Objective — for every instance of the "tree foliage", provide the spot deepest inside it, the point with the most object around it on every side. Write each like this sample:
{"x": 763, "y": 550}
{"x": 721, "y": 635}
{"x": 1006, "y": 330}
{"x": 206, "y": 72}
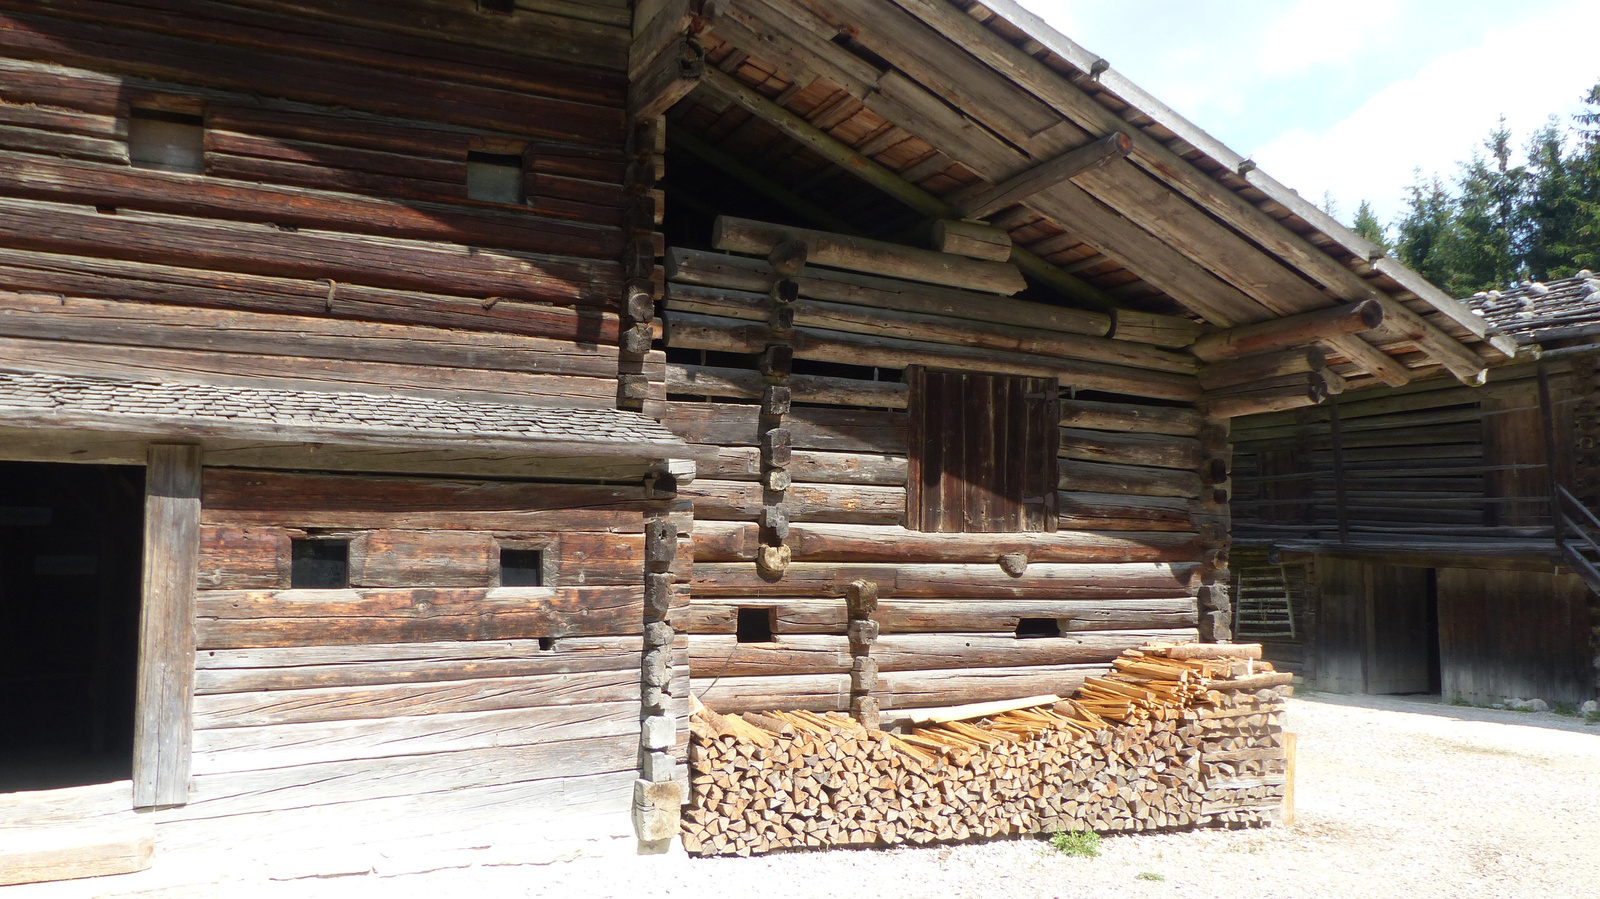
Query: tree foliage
{"x": 1495, "y": 222}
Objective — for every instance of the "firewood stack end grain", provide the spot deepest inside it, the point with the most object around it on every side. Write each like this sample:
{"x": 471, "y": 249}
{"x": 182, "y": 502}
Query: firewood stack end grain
{"x": 1174, "y": 736}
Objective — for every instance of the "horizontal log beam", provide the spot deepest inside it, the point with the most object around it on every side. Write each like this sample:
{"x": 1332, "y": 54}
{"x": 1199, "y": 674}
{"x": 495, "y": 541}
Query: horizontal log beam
{"x": 874, "y": 257}
{"x": 1294, "y": 330}
{"x": 1267, "y": 365}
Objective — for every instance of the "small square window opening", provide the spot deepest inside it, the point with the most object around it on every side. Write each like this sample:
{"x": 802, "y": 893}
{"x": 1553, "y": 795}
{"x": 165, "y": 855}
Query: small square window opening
{"x": 169, "y": 141}
{"x": 755, "y": 625}
{"x": 1038, "y": 627}
{"x": 319, "y": 564}
{"x": 494, "y": 177}
{"x": 521, "y": 567}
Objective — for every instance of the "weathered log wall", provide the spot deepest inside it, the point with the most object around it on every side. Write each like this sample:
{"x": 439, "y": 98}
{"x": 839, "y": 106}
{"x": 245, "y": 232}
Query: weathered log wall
{"x": 1424, "y": 466}
{"x": 328, "y": 234}
{"x": 423, "y": 675}
{"x": 1141, "y": 507}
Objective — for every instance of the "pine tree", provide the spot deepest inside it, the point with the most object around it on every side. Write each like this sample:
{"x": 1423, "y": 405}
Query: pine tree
{"x": 1367, "y": 225}
{"x": 1550, "y": 210}
{"x": 1423, "y": 233}
{"x": 1582, "y": 243}
{"x": 1482, "y": 245}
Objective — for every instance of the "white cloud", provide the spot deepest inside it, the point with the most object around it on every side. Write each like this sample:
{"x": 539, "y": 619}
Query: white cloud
{"x": 1318, "y": 32}
{"x": 1437, "y": 117}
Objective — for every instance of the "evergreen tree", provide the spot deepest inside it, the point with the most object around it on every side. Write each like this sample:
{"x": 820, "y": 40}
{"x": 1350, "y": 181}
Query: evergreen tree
{"x": 1551, "y": 207}
{"x": 1581, "y": 247}
{"x": 1367, "y": 225}
{"x": 1482, "y": 245}
{"x": 1423, "y": 233}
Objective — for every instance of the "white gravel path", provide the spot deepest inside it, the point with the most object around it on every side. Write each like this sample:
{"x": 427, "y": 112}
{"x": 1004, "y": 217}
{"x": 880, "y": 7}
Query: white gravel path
{"x": 1396, "y": 798}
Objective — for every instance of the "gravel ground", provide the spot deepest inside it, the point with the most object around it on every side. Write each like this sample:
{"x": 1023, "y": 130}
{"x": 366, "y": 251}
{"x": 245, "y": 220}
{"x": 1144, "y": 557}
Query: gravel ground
{"x": 1395, "y": 798}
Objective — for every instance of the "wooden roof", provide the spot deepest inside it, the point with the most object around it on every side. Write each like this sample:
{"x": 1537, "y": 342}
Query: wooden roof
{"x": 925, "y": 98}
{"x": 1560, "y": 311}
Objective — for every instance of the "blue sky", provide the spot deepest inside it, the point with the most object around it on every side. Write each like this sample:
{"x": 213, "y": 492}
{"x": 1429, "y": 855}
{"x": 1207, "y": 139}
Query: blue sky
{"x": 1348, "y": 97}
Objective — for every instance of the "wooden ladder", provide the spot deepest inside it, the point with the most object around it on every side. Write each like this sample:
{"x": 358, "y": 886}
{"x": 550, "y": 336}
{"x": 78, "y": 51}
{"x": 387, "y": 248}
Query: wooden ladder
{"x": 1262, "y": 602}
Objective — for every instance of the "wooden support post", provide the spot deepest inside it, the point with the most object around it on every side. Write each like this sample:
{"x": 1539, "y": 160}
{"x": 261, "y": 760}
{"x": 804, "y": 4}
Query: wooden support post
{"x": 162, "y": 722}
{"x": 1547, "y": 420}
{"x": 657, "y": 796}
{"x": 1341, "y": 510}
{"x": 861, "y": 598}
{"x": 1290, "y": 744}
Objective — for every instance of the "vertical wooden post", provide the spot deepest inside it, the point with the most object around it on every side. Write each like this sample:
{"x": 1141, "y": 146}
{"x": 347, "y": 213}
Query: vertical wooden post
{"x": 1338, "y": 471}
{"x": 1290, "y": 743}
{"x": 1548, "y": 420}
{"x": 162, "y": 730}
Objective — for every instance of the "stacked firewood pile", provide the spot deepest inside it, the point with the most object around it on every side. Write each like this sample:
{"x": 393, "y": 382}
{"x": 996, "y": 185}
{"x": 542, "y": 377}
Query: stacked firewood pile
{"x": 1174, "y": 736}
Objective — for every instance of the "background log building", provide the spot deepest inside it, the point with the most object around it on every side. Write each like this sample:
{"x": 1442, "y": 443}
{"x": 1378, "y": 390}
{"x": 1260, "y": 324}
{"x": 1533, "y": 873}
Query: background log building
{"x": 408, "y": 405}
{"x": 1432, "y": 538}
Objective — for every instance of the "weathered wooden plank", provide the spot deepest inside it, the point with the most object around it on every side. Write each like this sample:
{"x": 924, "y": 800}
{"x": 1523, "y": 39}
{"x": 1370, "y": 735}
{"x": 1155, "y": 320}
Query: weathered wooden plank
{"x": 331, "y": 81}
{"x": 1089, "y": 414}
{"x": 813, "y": 692}
{"x": 46, "y": 855}
{"x": 343, "y": 202}
{"x": 239, "y": 620}
{"x": 731, "y": 382}
{"x": 276, "y": 707}
{"x": 744, "y": 500}
{"x": 263, "y": 249}
{"x": 721, "y": 541}
{"x": 1097, "y": 477}
{"x": 243, "y": 497}
{"x": 121, "y": 279}
{"x": 703, "y": 332}
{"x": 1060, "y": 580}
{"x": 365, "y": 664}
{"x": 915, "y": 616}
{"x": 287, "y": 372}
{"x": 258, "y": 748}
{"x": 755, "y": 275}
{"x": 1130, "y": 449}
{"x": 225, "y": 331}
{"x": 923, "y": 651}
{"x": 328, "y": 784}
{"x": 165, "y": 691}
{"x": 922, "y": 688}
{"x": 835, "y": 430}
{"x": 739, "y": 463}
{"x": 1115, "y": 512}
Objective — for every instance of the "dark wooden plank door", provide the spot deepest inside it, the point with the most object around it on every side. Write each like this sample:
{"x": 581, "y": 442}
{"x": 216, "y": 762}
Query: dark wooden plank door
{"x": 1399, "y": 632}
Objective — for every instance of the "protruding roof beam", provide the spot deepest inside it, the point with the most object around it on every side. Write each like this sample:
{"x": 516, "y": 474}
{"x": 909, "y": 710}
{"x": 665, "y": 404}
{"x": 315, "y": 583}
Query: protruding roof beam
{"x": 1295, "y": 330}
{"x": 983, "y": 201}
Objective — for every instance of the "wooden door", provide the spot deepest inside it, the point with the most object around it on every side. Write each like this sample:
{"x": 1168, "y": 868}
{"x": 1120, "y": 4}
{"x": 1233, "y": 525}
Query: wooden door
{"x": 1399, "y": 630}
{"x": 1341, "y": 625}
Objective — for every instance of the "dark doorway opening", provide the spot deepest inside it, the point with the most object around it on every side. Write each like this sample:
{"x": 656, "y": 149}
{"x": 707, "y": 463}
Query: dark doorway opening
{"x": 71, "y": 549}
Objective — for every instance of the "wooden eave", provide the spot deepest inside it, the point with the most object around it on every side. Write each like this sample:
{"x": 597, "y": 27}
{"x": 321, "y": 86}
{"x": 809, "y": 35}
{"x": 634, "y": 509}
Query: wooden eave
{"x": 946, "y": 95}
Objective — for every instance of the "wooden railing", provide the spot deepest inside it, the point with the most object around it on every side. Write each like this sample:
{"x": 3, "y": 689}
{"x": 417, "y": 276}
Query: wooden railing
{"x": 1577, "y": 535}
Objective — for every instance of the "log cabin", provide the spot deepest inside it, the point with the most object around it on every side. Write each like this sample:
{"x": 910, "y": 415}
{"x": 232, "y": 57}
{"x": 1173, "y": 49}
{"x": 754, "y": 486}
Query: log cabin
{"x": 454, "y": 387}
{"x": 1430, "y": 538}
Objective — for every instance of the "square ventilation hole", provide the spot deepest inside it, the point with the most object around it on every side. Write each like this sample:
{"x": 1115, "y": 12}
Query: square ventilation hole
{"x": 521, "y": 567}
{"x": 170, "y": 141}
{"x": 494, "y": 177}
{"x": 1038, "y": 627}
{"x": 755, "y": 625}
{"x": 319, "y": 564}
